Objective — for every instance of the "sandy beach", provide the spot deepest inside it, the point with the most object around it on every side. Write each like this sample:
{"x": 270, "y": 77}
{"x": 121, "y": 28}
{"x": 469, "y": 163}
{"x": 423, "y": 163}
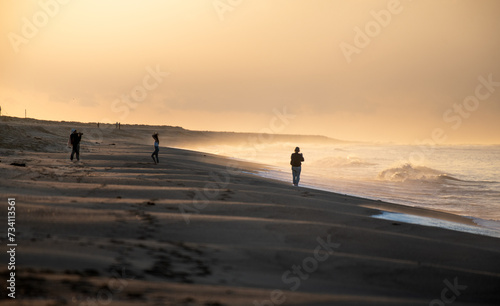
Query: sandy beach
{"x": 200, "y": 229}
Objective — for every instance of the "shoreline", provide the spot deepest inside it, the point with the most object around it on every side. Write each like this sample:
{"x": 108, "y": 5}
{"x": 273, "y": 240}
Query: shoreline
{"x": 491, "y": 227}
{"x": 462, "y": 187}
{"x": 116, "y": 218}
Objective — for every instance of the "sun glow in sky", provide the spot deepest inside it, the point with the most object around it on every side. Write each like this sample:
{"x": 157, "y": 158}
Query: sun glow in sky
{"x": 374, "y": 70}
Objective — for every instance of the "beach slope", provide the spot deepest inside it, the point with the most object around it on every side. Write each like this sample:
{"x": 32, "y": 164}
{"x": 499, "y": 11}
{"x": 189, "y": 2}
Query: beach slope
{"x": 199, "y": 229}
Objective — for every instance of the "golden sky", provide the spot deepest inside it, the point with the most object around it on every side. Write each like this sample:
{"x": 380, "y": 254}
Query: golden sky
{"x": 388, "y": 70}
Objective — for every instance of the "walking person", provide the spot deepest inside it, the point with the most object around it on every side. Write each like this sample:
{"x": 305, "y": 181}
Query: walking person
{"x": 296, "y": 162}
{"x": 157, "y": 148}
{"x": 74, "y": 140}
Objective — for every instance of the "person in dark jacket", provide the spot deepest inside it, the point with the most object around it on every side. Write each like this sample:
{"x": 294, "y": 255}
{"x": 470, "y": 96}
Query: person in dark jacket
{"x": 296, "y": 162}
{"x": 75, "y": 139}
{"x": 157, "y": 148}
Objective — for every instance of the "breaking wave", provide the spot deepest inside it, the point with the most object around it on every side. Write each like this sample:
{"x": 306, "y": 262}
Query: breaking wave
{"x": 408, "y": 172}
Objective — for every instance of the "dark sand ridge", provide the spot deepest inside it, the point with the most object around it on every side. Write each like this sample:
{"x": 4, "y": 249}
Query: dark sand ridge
{"x": 112, "y": 228}
{"x": 15, "y": 129}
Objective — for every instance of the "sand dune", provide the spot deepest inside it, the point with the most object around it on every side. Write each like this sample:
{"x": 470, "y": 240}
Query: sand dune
{"x": 198, "y": 229}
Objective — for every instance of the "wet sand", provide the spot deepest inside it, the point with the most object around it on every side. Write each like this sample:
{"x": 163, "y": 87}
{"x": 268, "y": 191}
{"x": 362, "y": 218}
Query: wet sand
{"x": 199, "y": 229}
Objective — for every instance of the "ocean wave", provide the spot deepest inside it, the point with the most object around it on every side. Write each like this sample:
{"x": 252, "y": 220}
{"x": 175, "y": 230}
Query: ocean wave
{"x": 409, "y": 172}
{"x": 339, "y": 161}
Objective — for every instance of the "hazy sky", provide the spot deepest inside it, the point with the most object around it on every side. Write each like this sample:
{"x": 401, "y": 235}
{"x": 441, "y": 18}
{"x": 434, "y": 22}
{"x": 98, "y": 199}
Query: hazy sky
{"x": 360, "y": 70}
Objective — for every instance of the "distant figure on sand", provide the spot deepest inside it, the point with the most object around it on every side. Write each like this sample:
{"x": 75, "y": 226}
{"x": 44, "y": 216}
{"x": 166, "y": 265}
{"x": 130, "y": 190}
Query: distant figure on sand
{"x": 157, "y": 148}
{"x": 296, "y": 162}
{"x": 75, "y": 139}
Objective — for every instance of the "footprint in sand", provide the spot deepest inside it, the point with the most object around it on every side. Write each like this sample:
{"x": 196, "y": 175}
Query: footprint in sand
{"x": 179, "y": 262}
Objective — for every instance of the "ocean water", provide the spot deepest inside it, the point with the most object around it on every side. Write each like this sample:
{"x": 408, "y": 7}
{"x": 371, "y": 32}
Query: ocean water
{"x": 460, "y": 179}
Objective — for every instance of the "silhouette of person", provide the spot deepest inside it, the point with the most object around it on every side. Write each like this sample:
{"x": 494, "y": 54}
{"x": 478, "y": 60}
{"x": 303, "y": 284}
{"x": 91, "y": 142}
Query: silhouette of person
{"x": 75, "y": 139}
{"x": 157, "y": 148}
{"x": 296, "y": 162}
